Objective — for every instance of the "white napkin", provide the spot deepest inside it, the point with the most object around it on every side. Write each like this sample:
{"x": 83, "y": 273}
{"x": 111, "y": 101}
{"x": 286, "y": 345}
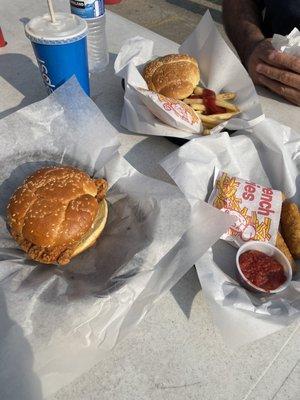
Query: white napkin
{"x": 288, "y": 44}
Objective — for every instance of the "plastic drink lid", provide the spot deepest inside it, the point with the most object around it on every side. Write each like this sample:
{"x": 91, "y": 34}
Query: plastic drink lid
{"x": 67, "y": 28}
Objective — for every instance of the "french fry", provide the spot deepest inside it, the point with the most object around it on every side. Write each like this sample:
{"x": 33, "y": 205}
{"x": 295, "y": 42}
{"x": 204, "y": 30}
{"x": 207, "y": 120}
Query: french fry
{"x": 206, "y": 126}
{"x": 198, "y": 90}
{"x": 206, "y": 120}
{"x": 206, "y": 132}
{"x": 198, "y": 107}
{"x": 221, "y": 96}
{"x": 225, "y": 116}
{"x": 227, "y": 105}
{"x": 212, "y": 120}
{"x": 226, "y": 96}
{"x": 215, "y": 119}
{"x": 209, "y": 126}
{"x": 193, "y": 101}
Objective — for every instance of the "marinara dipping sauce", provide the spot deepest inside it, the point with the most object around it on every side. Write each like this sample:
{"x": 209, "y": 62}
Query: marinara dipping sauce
{"x": 262, "y": 270}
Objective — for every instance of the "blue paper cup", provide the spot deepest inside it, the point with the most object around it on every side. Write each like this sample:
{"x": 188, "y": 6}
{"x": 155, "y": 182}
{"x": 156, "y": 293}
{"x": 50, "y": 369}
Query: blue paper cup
{"x": 60, "y": 49}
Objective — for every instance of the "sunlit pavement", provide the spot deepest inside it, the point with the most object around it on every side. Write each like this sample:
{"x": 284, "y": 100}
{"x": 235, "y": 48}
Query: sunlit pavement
{"x": 174, "y": 19}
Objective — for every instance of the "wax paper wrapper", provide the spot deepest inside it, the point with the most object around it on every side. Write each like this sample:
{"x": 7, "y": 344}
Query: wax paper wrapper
{"x": 257, "y": 208}
{"x": 220, "y": 70}
{"x": 174, "y": 113}
{"x": 289, "y": 44}
{"x": 68, "y": 316}
{"x": 271, "y": 157}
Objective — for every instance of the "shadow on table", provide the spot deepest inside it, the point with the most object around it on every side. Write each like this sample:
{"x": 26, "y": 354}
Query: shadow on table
{"x": 146, "y": 155}
{"x": 186, "y": 290}
{"x": 21, "y": 73}
{"x": 197, "y": 8}
{"x": 262, "y": 91}
{"x": 17, "y": 379}
{"x": 108, "y": 94}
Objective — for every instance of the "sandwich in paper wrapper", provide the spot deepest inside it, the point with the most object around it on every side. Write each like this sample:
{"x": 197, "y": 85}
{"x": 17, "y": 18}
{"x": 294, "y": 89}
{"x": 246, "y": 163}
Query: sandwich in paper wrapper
{"x": 257, "y": 209}
{"x": 172, "y": 112}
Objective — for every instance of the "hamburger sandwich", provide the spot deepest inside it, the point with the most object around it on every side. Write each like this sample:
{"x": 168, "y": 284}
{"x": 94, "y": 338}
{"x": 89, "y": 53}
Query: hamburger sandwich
{"x": 174, "y": 75}
{"x": 57, "y": 213}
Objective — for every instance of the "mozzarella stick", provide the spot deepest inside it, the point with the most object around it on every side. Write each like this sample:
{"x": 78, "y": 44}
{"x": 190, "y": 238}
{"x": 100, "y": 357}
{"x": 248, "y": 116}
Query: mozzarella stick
{"x": 282, "y": 246}
{"x": 290, "y": 224}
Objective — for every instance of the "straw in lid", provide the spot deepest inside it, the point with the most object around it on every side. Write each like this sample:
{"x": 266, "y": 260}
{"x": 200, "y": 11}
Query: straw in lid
{"x": 67, "y": 28}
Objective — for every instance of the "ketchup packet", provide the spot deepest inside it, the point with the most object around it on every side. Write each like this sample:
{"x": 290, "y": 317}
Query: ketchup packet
{"x": 170, "y": 111}
{"x": 257, "y": 209}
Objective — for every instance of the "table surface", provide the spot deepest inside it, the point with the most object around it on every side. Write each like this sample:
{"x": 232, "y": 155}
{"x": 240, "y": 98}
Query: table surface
{"x": 176, "y": 352}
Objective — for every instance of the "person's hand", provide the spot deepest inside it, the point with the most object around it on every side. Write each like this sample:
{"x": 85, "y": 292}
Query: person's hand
{"x": 277, "y": 71}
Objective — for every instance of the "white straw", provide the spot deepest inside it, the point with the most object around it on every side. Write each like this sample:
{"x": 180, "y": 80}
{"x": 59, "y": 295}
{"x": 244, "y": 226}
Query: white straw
{"x": 51, "y": 11}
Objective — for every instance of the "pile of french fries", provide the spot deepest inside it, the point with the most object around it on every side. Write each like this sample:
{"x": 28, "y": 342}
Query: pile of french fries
{"x": 212, "y": 120}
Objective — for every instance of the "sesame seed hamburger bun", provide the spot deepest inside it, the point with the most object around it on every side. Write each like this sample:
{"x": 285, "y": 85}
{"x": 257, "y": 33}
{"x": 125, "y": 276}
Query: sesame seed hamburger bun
{"x": 57, "y": 213}
{"x": 174, "y": 75}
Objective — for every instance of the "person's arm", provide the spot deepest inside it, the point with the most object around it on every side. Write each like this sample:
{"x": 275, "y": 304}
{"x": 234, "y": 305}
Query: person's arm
{"x": 242, "y": 20}
{"x": 277, "y": 71}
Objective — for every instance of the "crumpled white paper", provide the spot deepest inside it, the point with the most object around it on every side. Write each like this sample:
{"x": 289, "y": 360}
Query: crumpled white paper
{"x": 270, "y": 155}
{"x": 289, "y": 44}
{"x": 220, "y": 70}
{"x": 61, "y": 319}
{"x": 174, "y": 113}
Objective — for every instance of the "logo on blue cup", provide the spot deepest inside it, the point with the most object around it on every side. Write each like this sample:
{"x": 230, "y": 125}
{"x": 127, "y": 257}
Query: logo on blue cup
{"x": 45, "y": 76}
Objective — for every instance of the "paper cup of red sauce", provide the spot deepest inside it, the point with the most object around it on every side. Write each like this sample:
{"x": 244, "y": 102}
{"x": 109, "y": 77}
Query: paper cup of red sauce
{"x": 262, "y": 268}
